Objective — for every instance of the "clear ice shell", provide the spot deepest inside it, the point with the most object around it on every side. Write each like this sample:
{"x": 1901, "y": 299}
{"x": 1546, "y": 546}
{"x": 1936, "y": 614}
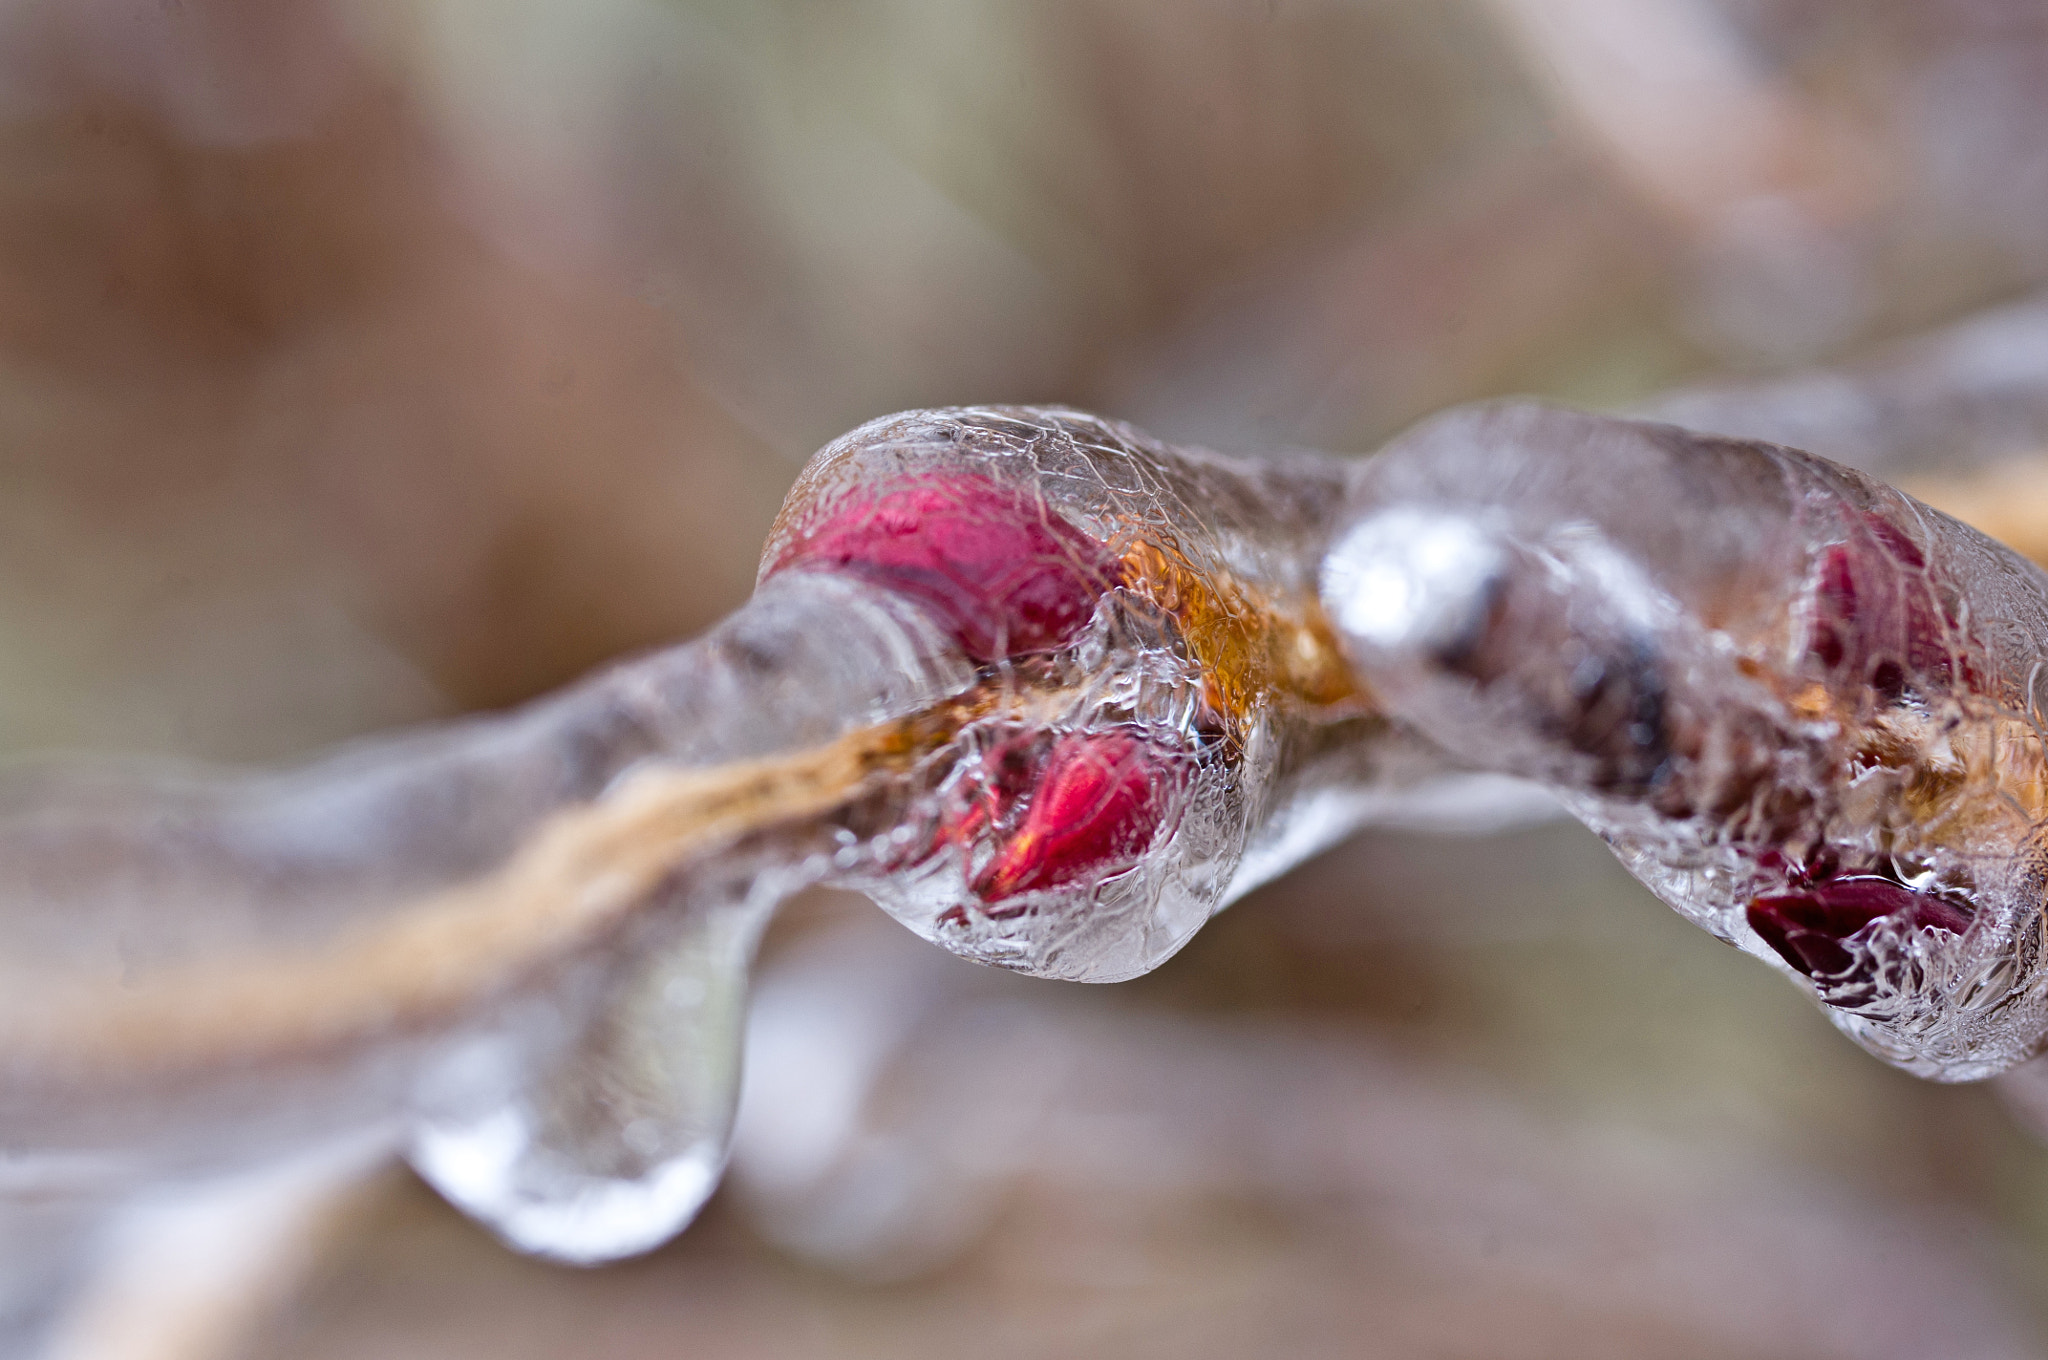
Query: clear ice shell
{"x": 1101, "y": 918}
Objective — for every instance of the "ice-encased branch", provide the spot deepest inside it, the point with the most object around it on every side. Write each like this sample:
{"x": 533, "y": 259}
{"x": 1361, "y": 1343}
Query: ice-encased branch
{"x": 1053, "y": 692}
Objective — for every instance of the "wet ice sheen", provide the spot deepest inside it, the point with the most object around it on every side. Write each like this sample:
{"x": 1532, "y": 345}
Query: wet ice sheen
{"x": 1052, "y": 693}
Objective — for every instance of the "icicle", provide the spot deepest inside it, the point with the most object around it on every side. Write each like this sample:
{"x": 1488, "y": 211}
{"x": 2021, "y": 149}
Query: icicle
{"x": 602, "y": 1140}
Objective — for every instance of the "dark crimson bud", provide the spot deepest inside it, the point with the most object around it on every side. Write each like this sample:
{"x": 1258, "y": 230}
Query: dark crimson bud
{"x": 1807, "y": 927}
{"x": 1098, "y": 803}
{"x": 997, "y": 567}
{"x": 1877, "y": 617}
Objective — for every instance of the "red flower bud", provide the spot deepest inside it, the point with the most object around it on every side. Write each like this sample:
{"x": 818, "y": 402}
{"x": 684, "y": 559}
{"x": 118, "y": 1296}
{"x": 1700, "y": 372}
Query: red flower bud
{"x": 1807, "y": 927}
{"x": 1099, "y": 801}
{"x": 996, "y": 567}
{"x": 1877, "y": 619}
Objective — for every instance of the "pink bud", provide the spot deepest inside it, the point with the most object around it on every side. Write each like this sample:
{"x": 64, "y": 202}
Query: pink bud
{"x": 998, "y": 568}
{"x": 1098, "y": 803}
{"x": 1877, "y": 618}
{"x": 1807, "y": 928}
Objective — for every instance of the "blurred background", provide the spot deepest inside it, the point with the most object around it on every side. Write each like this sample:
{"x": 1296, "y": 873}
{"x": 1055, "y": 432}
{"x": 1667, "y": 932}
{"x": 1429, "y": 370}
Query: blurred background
{"x": 366, "y": 361}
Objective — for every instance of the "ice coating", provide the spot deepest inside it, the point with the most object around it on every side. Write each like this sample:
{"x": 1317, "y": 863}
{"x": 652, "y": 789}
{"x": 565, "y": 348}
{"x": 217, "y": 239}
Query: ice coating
{"x": 1801, "y": 707}
{"x": 1052, "y": 693}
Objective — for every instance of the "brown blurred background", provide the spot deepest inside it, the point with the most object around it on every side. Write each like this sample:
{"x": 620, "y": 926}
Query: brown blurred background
{"x": 365, "y": 361}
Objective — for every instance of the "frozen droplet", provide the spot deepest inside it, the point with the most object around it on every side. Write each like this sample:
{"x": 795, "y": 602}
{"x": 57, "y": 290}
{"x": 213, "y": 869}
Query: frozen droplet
{"x": 601, "y": 1140}
{"x": 500, "y": 1171}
